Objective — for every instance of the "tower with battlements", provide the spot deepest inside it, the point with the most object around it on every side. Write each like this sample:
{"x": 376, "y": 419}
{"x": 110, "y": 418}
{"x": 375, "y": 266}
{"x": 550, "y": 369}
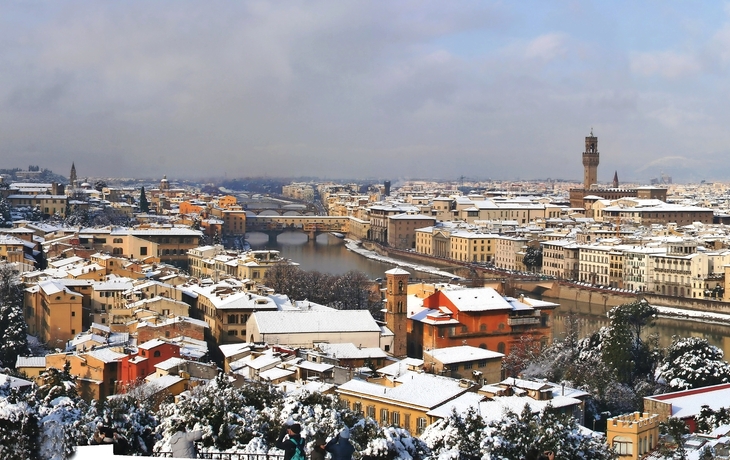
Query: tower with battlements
{"x": 590, "y": 162}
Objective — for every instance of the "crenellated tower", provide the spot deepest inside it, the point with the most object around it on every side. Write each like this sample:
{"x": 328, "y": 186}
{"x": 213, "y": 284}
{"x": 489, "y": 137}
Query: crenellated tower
{"x": 590, "y": 162}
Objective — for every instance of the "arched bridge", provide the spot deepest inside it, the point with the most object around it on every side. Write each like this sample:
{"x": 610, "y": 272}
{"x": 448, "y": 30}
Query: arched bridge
{"x": 311, "y": 225}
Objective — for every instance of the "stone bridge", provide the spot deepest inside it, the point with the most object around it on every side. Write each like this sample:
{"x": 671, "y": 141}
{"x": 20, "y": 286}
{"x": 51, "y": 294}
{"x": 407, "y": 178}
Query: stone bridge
{"x": 311, "y": 225}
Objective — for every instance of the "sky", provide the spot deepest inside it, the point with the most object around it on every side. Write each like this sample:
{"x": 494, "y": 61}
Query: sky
{"x": 366, "y": 89}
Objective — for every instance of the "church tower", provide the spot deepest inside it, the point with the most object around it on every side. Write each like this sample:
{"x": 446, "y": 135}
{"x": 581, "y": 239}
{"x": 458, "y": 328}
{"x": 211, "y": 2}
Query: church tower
{"x": 590, "y": 162}
{"x": 396, "y": 297}
{"x": 72, "y": 177}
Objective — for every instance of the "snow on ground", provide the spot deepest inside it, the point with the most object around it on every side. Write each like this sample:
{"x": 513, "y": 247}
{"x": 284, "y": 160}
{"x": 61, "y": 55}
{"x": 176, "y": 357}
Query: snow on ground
{"x": 354, "y": 246}
{"x": 693, "y": 315}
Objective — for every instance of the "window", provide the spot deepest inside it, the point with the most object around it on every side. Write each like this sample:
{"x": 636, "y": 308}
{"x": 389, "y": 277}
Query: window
{"x": 383, "y": 417}
{"x": 623, "y": 445}
{"x": 395, "y": 419}
{"x": 73, "y": 313}
{"x": 157, "y": 354}
{"x": 467, "y": 366}
{"x": 358, "y": 407}
{"x": 143, "y": 251}
{"x": 421, "y": 425}
{"x": 371, "y": 412}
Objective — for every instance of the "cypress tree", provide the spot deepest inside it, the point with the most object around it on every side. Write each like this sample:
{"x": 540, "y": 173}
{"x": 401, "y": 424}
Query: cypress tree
{"x": 144, "y": 205}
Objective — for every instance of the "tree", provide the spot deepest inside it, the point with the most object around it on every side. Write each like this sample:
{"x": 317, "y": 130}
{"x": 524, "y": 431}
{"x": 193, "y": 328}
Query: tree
{"x": 624, "y": 349}
{"x": 513, "y": 436}
{"x": 709, "y": 419}
{"x": 521, "y": 354}
{"x": 676, "y": 429}
{"x": 533, "y": 259}
{"x": 691, "y": 362}
{"x": 13, "y": 328}
{"x": 144, "y": 205}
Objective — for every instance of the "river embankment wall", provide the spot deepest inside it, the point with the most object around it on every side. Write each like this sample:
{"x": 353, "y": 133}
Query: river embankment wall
{"x": 557, "y": 289}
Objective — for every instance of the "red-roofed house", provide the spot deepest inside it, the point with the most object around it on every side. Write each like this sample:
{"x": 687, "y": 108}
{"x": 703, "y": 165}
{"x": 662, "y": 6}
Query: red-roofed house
{"x": 686, "y": 404}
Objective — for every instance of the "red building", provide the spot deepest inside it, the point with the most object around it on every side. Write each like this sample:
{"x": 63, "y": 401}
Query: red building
{"x": 479, "y": 317}
{"x": 136, "y": 367}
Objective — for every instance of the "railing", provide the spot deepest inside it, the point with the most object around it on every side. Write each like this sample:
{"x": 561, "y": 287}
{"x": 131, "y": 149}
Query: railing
{"x": 226, "y": 456}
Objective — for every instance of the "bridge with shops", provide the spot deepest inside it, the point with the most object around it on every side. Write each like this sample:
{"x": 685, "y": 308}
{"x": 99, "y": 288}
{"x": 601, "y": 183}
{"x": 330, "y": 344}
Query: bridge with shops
{"x": 311, "y": 225}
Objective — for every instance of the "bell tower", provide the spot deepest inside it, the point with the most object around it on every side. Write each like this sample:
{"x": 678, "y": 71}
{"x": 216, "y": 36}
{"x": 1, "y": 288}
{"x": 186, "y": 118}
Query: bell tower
{"x": 590, "y": 162}
{"x": 396, "y": 297}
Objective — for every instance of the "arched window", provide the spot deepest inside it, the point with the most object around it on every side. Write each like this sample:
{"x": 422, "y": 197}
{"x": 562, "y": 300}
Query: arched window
{"x": 501, "y": 347}
{"x": 623, "y": 445}
{"x": 157, "y": 354}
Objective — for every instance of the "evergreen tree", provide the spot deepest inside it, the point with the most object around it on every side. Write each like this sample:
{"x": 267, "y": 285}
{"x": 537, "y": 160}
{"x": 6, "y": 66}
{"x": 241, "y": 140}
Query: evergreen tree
{"x": 18, "y": 430}
{"x": 13, "y": 328}
{"x": 144, "y": 205}
{"x": 691, "y": 362}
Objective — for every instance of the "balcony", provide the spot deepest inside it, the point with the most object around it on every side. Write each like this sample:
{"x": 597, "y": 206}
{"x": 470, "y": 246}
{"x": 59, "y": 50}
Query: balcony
{"x": 524, "y": 320}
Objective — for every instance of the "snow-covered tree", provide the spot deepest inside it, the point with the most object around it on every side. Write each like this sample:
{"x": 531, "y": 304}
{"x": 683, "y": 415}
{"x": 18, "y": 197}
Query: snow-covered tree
{"x": 129, "y": 416}
{"x": 18, "y": 429}
{"x": 709, "y": 419}
{"x": 13, "y": 328}
{"x": 457, "y": 436}
{"x": 691, "y": 362}
{"x": 513, "y": 437}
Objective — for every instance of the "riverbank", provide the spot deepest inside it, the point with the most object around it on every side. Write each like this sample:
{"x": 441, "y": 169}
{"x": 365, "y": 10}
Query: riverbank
{"x": 607, "y": 298}
{"x": 355, "y": 246}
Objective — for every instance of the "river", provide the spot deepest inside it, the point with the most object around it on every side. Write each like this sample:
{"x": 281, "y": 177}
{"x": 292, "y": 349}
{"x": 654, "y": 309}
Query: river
{"x": 328, "y": 254}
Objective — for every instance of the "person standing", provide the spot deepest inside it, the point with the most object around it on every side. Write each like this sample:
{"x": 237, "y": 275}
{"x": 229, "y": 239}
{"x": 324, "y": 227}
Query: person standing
{"x": 340, "y": 447}
{"x": 183, "y": 445}
{"x": 293, "y": 445}
{"x": 320, "y": 442}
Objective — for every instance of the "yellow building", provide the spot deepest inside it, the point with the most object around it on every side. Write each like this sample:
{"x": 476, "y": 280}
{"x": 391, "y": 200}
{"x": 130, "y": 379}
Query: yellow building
{"x": 151, "y": 244}
{"x": 633, "y": 435}
{"x": 48, "y": 205}
{"x": 403, "y": 401}
{"x": 471, "y": 246}
{"x": 12, "y": 249}
{"x": 96, "y": 371}
{"x": 464, "y": 362}
{"x": 234, "y": 222}
{"x": 226, "y": 307}
{"x": 509, "y": 251}
{"x": 53, "y": 312}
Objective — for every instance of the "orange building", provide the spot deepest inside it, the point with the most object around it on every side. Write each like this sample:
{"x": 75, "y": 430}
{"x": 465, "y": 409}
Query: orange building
{"x": 54, "y": 312}
{"x": 479, "y": 317}
{"x": 96, "y": 370}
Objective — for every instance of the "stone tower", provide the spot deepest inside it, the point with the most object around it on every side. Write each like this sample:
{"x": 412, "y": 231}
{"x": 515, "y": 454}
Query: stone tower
{"x": 590, "y": 162}
{"x": 72, "y": 177}
{"x": 396, "y": 297}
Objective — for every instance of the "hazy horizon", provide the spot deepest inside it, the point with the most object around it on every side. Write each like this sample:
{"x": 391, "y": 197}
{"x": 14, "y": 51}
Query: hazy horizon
{"x": 428, "y": 90}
